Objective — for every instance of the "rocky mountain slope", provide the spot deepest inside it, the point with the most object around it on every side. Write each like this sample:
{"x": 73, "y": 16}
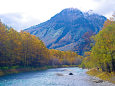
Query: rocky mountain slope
{"x": 69, "y": 30}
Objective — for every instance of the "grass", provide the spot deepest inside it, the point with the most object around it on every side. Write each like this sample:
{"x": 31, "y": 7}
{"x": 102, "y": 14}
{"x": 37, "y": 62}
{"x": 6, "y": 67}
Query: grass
{"x": 103, "y": 75}
{"x": 19, "y": 69}
{"x": 13, "y": 70}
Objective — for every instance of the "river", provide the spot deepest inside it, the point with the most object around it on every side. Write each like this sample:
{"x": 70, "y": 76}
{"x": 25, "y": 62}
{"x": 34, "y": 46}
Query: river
{"x": 52, "y": 77}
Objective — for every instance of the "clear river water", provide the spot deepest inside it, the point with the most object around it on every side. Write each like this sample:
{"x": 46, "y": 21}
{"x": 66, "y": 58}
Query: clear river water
{"x": 52, "y": 77}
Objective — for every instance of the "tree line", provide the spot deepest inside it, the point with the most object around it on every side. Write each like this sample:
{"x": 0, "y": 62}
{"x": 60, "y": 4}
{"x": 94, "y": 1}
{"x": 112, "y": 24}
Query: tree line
{"x": 102, "y": 54}
{"x": 23, "y": 49}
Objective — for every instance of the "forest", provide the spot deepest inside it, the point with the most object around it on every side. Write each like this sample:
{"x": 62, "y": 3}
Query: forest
{"x": 21, "y": 49}
{"x": 102, "y": 54}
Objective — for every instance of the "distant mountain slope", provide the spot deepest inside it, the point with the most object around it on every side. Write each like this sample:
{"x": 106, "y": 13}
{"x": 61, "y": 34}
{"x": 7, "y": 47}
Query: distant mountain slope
{"x": 68, "y": 30}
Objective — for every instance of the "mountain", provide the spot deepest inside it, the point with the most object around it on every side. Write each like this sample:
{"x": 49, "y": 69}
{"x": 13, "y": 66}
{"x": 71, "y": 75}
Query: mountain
{"x": 69, "y": 30}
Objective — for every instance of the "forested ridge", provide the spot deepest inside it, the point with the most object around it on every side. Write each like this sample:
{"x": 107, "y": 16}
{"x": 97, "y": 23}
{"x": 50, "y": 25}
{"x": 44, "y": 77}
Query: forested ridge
{"x": 21, "y": 49}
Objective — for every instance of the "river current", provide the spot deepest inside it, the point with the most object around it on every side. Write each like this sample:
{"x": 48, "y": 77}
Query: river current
{"x": 52, "y": 77}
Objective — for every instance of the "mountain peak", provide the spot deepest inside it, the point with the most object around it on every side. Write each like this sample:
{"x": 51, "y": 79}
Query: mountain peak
{"x": 67, "y": 29}
{"x": 71, "y": 10}
{"x": 90, "y": 12}
{"x": 67, "y": 15}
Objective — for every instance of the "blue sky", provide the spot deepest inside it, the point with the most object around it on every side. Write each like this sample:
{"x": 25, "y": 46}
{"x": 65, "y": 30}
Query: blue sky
{"x": 21, "y": 14}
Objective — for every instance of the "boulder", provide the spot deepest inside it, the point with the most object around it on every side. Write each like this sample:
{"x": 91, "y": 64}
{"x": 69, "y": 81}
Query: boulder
{"x": 70, "y": 73}
{"x": 98, "y": 81}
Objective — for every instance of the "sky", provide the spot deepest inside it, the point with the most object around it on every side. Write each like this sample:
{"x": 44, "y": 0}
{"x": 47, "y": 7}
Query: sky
{"x": 21, "y": 14}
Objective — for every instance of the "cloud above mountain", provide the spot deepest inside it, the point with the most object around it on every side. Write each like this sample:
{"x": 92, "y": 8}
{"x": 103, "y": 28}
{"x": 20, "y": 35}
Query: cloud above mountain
{"x": 25, "y": 13}
{"x": 18, "y": 21}
{"x": 105, "y": 7}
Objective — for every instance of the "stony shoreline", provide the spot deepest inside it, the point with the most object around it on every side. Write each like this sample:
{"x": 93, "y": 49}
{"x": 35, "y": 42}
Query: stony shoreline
{"x": 101, "y": 77}
{"x": 100, "y": 82}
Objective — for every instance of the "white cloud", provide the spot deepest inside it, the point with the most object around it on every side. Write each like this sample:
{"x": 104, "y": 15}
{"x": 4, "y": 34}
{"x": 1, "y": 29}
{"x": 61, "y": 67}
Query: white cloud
{"x": 18, "y": 21}
{"x": 33, "y": 11}
{"x": 106, "y": 7}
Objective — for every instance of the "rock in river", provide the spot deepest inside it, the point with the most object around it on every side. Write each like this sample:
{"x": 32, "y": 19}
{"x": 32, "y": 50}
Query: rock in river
{"x": 70, "y": 73}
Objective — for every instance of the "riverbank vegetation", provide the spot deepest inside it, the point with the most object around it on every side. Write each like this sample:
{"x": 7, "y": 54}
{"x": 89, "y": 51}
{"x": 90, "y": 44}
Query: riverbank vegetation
{"x": 102, "y": 55}
{"x": 21, "y": 51}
